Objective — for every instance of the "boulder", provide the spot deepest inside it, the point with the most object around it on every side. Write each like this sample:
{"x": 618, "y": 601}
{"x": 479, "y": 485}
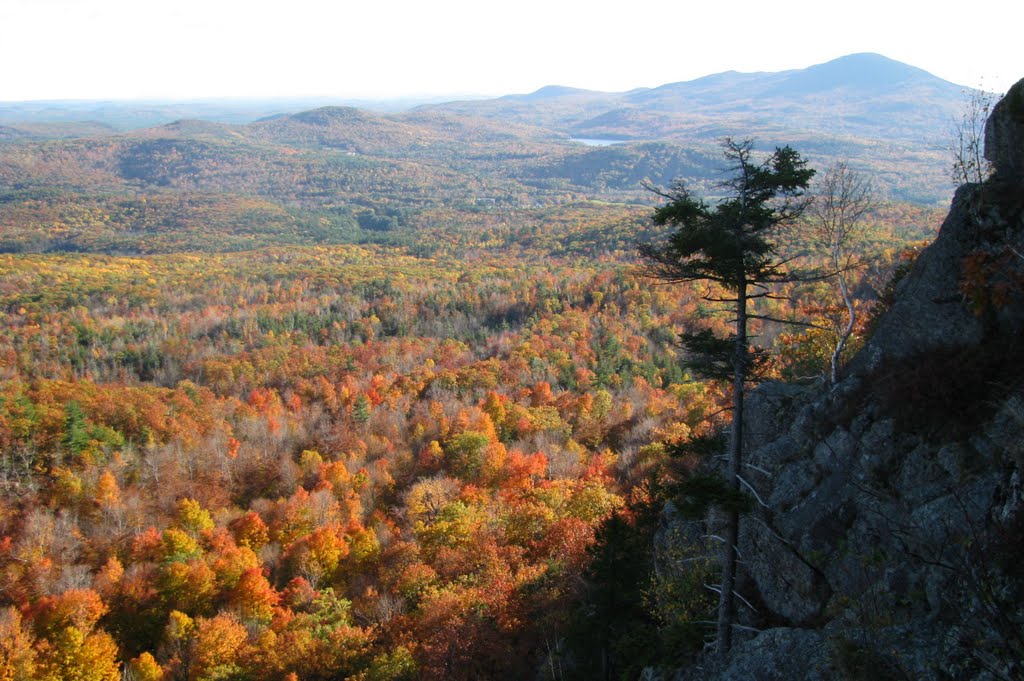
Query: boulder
{"x": 1004, "y": 135}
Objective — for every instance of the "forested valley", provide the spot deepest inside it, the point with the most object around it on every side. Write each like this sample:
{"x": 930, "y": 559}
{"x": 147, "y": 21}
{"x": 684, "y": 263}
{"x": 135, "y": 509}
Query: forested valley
{"x": 341, "y": 395}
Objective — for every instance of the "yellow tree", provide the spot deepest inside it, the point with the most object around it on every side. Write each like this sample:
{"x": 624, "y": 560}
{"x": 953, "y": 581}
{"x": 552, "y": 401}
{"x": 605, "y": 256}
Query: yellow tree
{"x": 72, "y": 655}
{"x": 17, "y": 658}
{"x": 145, "y": 668}
{"x": 217, "y": 647}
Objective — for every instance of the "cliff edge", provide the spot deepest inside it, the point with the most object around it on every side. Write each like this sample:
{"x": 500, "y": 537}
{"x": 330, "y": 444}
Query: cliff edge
{"x": 887, "y": 540}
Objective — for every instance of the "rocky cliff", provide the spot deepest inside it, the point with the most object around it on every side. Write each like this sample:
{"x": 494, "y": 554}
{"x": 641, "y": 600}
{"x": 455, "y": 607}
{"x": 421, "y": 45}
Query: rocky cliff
{"x": 887, "y": 540}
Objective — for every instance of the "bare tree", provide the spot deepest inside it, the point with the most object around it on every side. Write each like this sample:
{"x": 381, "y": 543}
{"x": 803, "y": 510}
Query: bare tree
{"x": 844, "y": 197}
{"x": 969, "y": 163}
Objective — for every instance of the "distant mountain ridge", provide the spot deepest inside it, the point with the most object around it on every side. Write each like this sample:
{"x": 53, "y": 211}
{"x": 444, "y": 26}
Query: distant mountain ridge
{"x": 884, "y": 117}
{"x": 852, "y": 95}
{"x": 864, "y": 75}
{"x": 865, "y": 108}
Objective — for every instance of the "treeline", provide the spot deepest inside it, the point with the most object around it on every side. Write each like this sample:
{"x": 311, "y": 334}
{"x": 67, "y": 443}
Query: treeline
{"x": 56, "y": 221}
{"x": 425, "y": 182}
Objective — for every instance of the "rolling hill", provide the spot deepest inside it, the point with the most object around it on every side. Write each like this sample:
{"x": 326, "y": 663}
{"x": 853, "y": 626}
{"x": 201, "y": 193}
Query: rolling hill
{"x": 342, "y": 174}
{"x": 880, "y": 114}
{"x": 861, "y": 94}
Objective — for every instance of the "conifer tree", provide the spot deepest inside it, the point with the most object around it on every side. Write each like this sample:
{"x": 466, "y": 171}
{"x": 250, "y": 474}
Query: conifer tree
{"x": 731, "y": 244}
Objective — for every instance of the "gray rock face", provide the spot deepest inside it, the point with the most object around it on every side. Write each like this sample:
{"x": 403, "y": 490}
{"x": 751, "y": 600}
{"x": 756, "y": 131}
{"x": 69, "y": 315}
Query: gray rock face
{"x": 1004, "y": 134}
{"x": 929, "y": 310}
{"x": 779, "y": 654}
{"x": 966, "y": 286}
{"x": 937, "y": 304}
{"x": 861, "y": 548}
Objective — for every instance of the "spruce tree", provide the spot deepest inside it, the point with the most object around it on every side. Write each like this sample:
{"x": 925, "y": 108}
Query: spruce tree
{"x": 731, "y": 244}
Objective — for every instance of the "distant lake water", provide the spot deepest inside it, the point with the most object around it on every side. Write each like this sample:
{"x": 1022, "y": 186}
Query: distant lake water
{"x": 592, "y": 142}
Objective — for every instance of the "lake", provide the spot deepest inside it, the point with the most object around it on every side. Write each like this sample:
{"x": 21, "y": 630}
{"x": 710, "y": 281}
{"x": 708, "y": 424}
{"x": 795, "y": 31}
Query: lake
{"x": 592, "y": 142}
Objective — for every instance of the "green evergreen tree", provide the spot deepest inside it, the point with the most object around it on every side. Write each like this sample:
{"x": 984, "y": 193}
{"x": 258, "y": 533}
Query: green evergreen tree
{"x": 731, "y": 244}
{"x": 611, "y": 633}
{"x": 361, "y": 410}
{"x": 76, "y": 429}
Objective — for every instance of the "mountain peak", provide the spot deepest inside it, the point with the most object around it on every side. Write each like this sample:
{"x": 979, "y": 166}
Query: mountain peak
{"x": 551, "y": 92}
{"x": 863, "y": 70}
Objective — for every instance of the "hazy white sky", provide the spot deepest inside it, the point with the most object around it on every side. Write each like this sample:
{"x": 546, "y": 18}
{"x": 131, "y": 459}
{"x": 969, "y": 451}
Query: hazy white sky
{"x": 65, "y": 49}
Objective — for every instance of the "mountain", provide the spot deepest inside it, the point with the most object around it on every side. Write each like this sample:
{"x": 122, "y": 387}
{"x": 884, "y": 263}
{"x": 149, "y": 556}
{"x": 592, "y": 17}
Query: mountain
{"x": 854, "y": 94}
{"x": 885, "y": 118}
{"x": 552, "y": 92}
{"x": 861, "y": 95}
{"x": 853, "y": 79}
{"x": 869, "y": 73}
{"x": 866, "y": 108}
{"x": 133, "y": 114}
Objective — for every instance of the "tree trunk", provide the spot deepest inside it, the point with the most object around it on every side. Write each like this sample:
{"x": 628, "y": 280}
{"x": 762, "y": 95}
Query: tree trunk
{"x": 732, "y": 519}
{"x": 844, "y": 336}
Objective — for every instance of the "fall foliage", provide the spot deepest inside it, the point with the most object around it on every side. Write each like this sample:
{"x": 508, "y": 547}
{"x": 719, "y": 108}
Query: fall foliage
{"x": 283, "y": 411}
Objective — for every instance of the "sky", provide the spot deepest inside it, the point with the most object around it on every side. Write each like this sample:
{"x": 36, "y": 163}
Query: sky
{"x": 377, "y": 49}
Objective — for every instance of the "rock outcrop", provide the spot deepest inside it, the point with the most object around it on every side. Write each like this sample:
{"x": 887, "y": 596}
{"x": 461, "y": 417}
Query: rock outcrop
{"x": 936, "y": 305}
{"x": 1004, "y": 131}
{"x": 888, "y": 540}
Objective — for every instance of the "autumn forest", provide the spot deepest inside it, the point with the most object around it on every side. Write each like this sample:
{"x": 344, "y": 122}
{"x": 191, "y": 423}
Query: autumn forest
{"x": 344, "y": 395}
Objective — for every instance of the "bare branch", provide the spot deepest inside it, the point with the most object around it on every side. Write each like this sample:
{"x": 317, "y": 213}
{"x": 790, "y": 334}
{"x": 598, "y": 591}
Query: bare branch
{"x": 969, "y": 163}
{"x": 752, "y": 491}
{"x": 843, "y": 199}
{"x": 769, "y": 318}
{"x": 745, "y": 602}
